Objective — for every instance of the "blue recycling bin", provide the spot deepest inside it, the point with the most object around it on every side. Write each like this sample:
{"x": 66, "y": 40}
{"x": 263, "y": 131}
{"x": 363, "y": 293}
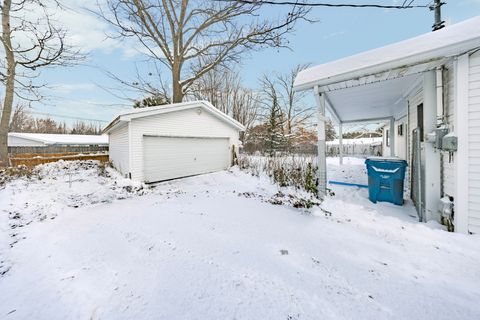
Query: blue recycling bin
{"x": 385, "y": 179}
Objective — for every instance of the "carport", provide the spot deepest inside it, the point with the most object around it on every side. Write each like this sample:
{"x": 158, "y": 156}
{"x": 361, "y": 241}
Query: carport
{"x": 375, "y": 86}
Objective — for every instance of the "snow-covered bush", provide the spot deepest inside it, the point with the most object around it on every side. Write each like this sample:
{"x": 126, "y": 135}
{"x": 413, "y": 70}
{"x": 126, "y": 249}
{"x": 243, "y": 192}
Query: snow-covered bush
{"x": 10, "y": 173}
{"x": 286, "y": 170}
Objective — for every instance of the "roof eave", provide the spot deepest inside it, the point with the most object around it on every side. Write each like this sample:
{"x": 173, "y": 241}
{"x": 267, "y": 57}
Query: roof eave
{"x": 111, "y": 125}
{"x": 424, "y": 57}
{"x": 148, "y": 112}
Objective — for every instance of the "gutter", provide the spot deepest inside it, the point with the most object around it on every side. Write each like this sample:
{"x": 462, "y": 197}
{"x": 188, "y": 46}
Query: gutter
{"x": 111, "y": 125}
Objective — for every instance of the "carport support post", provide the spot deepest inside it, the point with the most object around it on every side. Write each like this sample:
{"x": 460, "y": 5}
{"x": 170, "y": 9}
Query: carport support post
{"x": 432, "y": 156}
{"x": 392, "y": 137}
{"x": 340, "y": 141}
{"x": 321, "y": 157}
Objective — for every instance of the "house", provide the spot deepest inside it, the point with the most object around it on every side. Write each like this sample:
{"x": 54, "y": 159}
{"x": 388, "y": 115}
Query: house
{"x": 400, "y": 139}
{"x": 427, "y": 89}
{"x": 20, "y": 139}
{"x": 172, "y": 141}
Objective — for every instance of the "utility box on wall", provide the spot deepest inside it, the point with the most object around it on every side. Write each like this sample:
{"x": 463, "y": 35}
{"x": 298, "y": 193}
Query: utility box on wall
{"x": 439, "y": 134}
{"x": 449, "y": 143}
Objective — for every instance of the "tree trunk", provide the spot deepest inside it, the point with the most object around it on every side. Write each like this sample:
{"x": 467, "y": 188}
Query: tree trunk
{"x": 176, "y": 86}
{"x": 10, "y": 82}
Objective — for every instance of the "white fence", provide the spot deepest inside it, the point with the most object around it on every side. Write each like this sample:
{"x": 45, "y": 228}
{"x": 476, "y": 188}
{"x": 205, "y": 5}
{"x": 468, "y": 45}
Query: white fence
{"x": 363, "y": 147}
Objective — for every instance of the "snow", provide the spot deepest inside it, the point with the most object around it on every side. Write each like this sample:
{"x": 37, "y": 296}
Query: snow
{"x": 93, "y": 245}
{"x": 449, "y": 41}
{"x": 374, "y": 140}
{"x": 143, "y": 112}
{"x": 70, "y": 139}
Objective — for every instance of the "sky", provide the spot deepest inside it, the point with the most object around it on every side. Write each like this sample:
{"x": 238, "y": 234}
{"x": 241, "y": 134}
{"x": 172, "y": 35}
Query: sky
{"x": 84, "y": 91}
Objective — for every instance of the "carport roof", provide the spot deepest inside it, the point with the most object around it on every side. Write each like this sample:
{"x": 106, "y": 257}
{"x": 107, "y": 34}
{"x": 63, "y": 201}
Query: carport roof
{"x": 149, "y": 111}
{"x": 425, "y": 49}
{"x": 372, "y": 86}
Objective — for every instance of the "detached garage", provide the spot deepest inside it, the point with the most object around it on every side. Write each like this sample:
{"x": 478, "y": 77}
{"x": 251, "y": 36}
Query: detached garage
{"x": 172, "y": 141}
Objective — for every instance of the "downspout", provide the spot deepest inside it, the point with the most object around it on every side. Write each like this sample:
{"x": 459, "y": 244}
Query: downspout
{"x": 408, "y": 152}
{"x": 441, "y": 117}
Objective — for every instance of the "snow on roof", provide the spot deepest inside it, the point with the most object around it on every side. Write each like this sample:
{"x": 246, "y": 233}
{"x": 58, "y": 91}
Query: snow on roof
{"x": 447, "y": 42}
{"x": 374, "y": 140}
{"x": 144, "y": 112}
{"x": 63, "y": 139}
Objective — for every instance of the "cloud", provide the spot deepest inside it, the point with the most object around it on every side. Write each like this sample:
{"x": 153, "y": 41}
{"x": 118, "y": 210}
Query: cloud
{"x": 90, "y": 32}
{"x": 334, "y": 35}
{"x": 85, "y": 29}
{"x": 67, "y": 88}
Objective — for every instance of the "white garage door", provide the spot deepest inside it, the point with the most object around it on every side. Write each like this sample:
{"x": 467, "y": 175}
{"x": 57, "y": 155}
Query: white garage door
{"x": 174, "y": 157}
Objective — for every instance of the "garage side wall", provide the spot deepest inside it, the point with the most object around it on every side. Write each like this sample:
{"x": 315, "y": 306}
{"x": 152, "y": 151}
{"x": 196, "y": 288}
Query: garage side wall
{"x": 185, "y": 123}
{"x": 118, "y": 149}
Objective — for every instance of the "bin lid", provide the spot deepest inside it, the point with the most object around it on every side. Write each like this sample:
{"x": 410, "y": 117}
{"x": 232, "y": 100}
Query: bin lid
{"x": 386, "y": 159}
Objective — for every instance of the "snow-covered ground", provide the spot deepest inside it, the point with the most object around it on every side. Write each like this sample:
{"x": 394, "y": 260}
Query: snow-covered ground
{"x": 79, "y": 245}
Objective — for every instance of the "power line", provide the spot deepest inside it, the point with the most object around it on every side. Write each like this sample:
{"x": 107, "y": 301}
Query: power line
{"x": 322, "y": 4}
{"x": 66, "y": 117}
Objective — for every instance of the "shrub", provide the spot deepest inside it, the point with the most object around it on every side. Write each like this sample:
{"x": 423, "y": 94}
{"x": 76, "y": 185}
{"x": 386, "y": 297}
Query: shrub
{"x": 102, "y": 168}
{"x": 286, "y": 170}
{"x": 10, "y": 173}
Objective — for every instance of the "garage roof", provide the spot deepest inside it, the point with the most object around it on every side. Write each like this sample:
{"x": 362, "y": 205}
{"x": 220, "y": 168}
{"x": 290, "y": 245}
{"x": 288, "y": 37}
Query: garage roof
{"x": 150, "y": 111}
{"x": 424, "y": 49}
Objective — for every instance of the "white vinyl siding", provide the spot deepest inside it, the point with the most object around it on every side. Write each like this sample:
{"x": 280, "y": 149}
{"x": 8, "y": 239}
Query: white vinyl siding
{"x": 193, "y": 122}
{"x": 118, "y": 149}
{"x": 448, "y": 164}
{"x": 173, "y": 157}
{"x": 414, "y": 100}
{"x": 474, "y": 143}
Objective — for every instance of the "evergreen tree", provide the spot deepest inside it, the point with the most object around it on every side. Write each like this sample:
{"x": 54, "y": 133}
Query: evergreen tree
{"x": 275, "y": 139}
{"x": 330, "y": 133}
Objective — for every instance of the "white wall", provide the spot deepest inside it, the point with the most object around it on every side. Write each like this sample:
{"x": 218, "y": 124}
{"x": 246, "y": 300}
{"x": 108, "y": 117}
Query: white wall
{"x": 474, "y": 143}
{"x": 448, "y": 162}
{"x": 118, "y": 149}
{"x": 413, "y": 101}
{"x": 178, "y": 123}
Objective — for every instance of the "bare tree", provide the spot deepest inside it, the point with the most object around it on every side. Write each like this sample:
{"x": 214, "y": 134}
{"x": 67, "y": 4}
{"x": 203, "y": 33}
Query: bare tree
{"x": 296, "y": 113}
{"x": 31, "y": 41}
{"x": 246, "y": 107}
{"x": 192, "y": 37}
{"x": 151, "y": 87}
{"x": 82, "y": 127}
{"x": 223, "y": 88}
{"x": 21, "y": 121}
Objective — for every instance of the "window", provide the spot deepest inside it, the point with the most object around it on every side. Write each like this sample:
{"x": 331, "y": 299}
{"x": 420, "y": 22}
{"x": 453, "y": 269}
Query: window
{"x": 400, "y": 130}
{"x": 387, "y": 137}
